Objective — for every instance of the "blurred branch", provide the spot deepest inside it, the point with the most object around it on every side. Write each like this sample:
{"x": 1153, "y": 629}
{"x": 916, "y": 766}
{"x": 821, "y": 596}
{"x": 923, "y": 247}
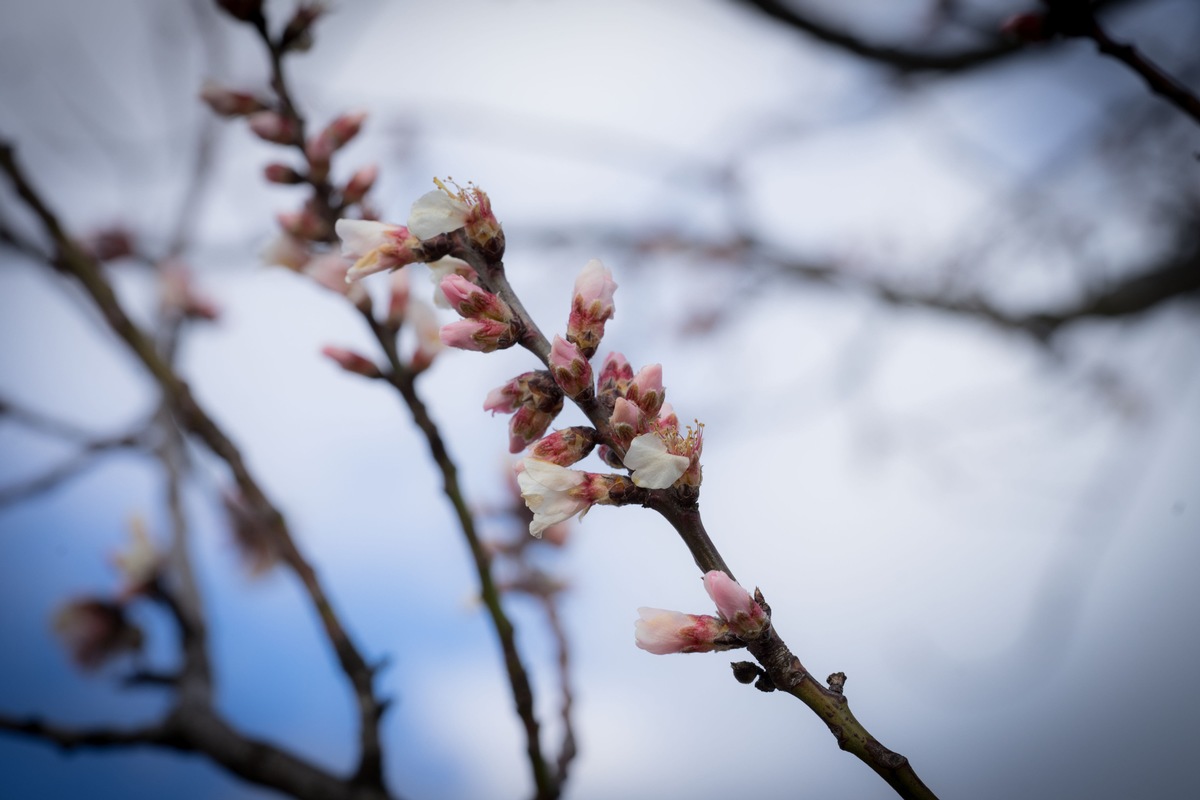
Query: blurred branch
{"x": 1155, "y": 77}
{"x": 403, "y": 380}
{"x": 901, "y": 59}
{"x": 200, "y": 730}
{"x": 71, "y": 260}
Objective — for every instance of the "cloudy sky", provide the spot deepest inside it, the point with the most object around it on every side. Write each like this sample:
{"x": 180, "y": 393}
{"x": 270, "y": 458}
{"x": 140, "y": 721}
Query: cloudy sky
{"x": 994, "y": 539}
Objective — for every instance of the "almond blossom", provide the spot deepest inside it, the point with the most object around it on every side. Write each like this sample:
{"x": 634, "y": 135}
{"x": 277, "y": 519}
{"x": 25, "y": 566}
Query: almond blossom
{"x": 376, "y": 246}
{"x": 653, "y": 466}
{"x": 555, "y": 494}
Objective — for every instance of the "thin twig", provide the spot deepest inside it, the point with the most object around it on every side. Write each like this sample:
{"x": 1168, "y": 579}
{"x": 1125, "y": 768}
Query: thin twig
{"x": 404, "y": 381}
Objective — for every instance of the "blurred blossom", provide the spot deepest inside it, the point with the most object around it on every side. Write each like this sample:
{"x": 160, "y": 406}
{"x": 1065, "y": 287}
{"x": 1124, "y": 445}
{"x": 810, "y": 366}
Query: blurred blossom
{"x": 95, "y": 630}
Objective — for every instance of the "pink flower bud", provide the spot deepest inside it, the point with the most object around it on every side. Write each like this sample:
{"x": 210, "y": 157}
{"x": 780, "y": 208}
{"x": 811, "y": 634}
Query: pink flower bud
{"x": 528, "y": 425}
{"x": 471, "y": 301}
{"x": 626, "y": 420}
{"x": 482, "y": 335}
{"x": 571, "y": 370}
{"x": 661, "y": 632}
{"x": 359, "y": 184}
{"x": 646, "y": 390}
{"x": 507, "y": 398}
{"x": 229, "y": 103}
{"x": 352, "y": 361}
{"x": 667, "y": 419}
{"x": 272, "y": 126}
{"x": 565, "y": 447}
{"x": 591, "y": 307}
{"x": 282, "y": 173}
{"x": 745, "y": 617}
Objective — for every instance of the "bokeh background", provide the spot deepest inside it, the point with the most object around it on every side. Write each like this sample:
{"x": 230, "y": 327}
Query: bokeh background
{"x": 989, "y": 524}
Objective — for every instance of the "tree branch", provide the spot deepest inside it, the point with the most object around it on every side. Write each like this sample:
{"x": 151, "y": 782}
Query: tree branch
{"x": 71, "y": 260}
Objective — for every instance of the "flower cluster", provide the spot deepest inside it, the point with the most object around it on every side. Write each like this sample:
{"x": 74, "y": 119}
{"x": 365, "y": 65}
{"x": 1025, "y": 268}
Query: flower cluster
{"x": 740, "y": 619}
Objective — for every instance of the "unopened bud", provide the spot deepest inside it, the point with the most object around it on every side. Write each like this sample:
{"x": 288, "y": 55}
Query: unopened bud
{"x": 359, "y": 184}
{"x": 245, "y": 10}
{"x": 282, "y": 173}
{"x": 571, "y": 370}
{"x": 229, "y": 103}
{"x": 352, "y": 361}
{"x": 272, "y": 126}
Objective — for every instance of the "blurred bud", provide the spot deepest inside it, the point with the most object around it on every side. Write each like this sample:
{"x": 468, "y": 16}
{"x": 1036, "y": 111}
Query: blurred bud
{"x": 274, "y": 127}
{"x": 352, "y": 361}
{"x": 423, "y": 321}
{"x": 286, "y": 251}
{"x": 109, "y": 244}
{"x": 320, "y": 148}
{"x": 304, "y": 224}
{"x": 282, "y": 173}
{"x": 397, "y": 300}
{"x": 329, "y": 271}
{"x": 179, "y": 296}
{"x": 256, "y": 536}
{"x": 229, "y": 103}
{"x": 359, "y": 184}
{"x": 297, "y": 35}
{"x": 95, "y": 630}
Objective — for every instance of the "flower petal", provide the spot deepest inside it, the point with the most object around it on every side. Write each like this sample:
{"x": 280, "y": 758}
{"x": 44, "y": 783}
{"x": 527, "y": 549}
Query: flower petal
{"x": 653, "y": 467}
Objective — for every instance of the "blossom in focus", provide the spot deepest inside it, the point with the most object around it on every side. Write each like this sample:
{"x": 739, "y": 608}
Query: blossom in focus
{"x": 555, "y": 494}
{"x": 745, "y": 617}
{"x": 591, "y": 307}
{"x": 141, "y": 562}
{"x": 443, "y": 211}
{"x": 95, "y": 630}
{"x": 661, "y": 632}
{"x": 376, "y": 246}
{"x": 654, "y": 467}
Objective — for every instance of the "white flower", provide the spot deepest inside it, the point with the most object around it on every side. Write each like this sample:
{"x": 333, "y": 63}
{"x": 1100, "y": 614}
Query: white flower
{"x": 361, "y": 236}
{"x": 547, "y": 490}
{"x": 437, "y": 212}
{"x": 653, "y": 467}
